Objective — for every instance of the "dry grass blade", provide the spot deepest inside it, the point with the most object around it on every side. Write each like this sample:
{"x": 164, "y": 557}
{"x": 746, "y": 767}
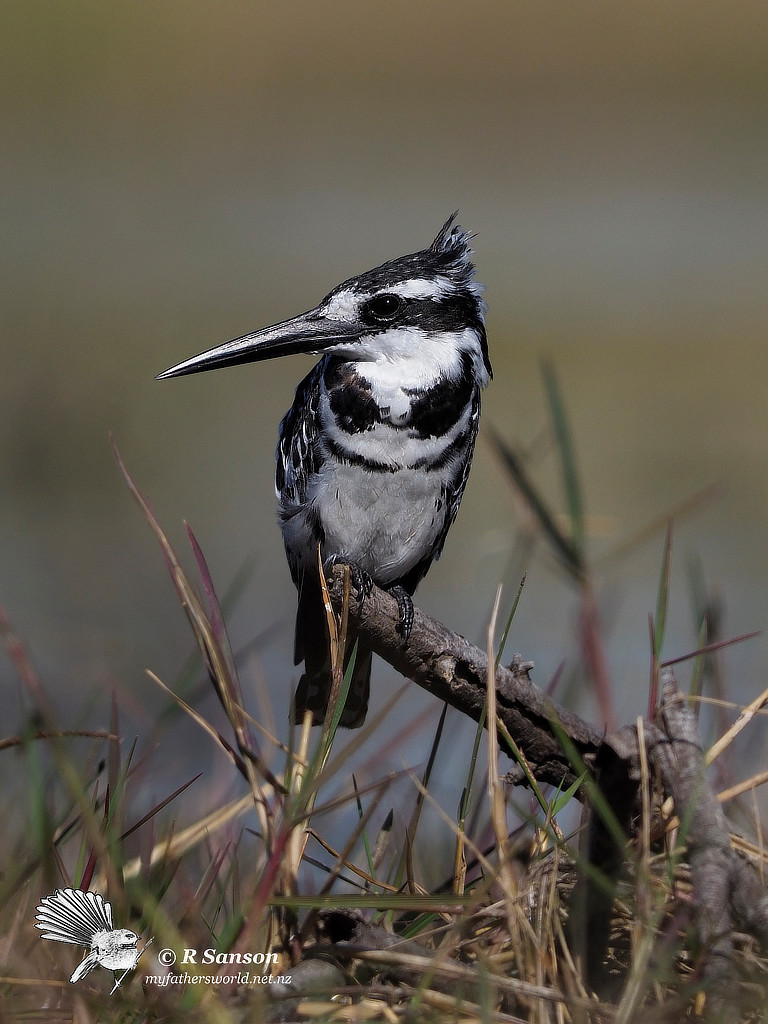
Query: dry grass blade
{"x": 752, "y": 783}
{"x": 405, "y": 867}
{"x": 741, "y": 722}
{"x": 212, "y": 640}
{"x": 447, "y": 968}
{"x": 495, "y": 789}
{"x": 709, "y": 649}
{"x": 226, "y": 679}
{"x": 204, "y": 724}
{"x": 383, "y": 840}
{"x": 56, "y": 734}
{"x": 20, "y": 660}
{"x": 644, "y": 927}
{"x": 159, "y": 806}
{"x": 475, "y": 850}
{"x": 651, "y": 529}
{"x": 184, "y": 841}
{"x": 342, "y": 858}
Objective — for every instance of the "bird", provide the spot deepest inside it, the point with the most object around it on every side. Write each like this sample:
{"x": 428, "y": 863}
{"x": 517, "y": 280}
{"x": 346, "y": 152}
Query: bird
{"x": 373, "y": 455}
{"x": 85, "y": 919}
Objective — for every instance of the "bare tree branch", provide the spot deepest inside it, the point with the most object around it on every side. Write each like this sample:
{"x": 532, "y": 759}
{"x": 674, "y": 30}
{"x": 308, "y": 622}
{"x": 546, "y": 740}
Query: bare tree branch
{"x": 454, "y": 671}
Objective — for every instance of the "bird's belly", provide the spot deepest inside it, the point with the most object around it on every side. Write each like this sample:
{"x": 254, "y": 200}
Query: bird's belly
{"x": 384, "y": 522}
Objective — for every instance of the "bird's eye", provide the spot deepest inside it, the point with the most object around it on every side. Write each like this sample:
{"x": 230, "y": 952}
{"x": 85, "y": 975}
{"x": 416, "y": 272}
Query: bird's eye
{"x": 383, "y": 307}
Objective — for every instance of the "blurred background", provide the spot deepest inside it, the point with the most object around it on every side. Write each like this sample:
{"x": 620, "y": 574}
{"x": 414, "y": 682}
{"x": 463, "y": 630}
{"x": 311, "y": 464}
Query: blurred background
{"x": 174, "y": 175}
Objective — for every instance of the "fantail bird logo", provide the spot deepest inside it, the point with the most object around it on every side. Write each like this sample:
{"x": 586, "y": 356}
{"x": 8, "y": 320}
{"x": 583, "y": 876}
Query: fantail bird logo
{"x": 85, "y": 919}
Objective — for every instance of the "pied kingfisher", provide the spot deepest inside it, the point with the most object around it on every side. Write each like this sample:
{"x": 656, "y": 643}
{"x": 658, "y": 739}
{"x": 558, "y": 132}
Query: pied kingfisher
{"x": 375, "y": 451}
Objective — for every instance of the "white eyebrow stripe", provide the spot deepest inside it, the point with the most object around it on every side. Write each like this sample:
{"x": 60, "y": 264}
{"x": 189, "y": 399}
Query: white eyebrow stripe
{"x": 345, "y": 304}
{"x": 421, "y": 288}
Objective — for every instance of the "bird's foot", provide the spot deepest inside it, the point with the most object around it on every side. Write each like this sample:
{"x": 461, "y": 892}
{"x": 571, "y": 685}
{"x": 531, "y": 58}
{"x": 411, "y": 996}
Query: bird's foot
{"x": 362, "y": 582}
{"x": 404, "y": 610}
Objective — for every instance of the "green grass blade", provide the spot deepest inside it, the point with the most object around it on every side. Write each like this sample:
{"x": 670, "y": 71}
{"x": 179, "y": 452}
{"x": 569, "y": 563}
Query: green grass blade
{"x": 567, "y": 459}
{"x": 662, "y": 598}
{"x": 564, "y": 550}
{"x": 508, "y": 624}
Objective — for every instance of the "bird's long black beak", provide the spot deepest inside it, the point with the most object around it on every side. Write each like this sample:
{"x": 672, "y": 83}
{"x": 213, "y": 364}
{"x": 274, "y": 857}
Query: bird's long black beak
{"x": 310, "y": 332}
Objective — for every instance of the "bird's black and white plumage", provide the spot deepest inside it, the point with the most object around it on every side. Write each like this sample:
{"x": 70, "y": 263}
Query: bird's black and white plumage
{"x": 85, "y": 919}
{"x": 375, "y": 451}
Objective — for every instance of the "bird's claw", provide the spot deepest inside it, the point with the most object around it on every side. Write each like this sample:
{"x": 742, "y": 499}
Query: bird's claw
{"x": 361, "y": 581}
{"x": 362, "y": 584}
{"x": 404, "y": 610}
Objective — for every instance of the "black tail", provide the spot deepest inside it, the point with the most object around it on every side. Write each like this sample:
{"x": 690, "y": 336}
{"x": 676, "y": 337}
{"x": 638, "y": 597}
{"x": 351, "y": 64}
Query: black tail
{"x": 311, "y": 646}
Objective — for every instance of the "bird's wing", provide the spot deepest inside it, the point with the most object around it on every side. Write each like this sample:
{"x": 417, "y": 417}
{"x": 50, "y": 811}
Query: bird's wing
{"x": 460, "y": 481}
{"x": 299, "y": 454}
{"x": 71, "y": 915}
{"x": 298, "y": 451}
